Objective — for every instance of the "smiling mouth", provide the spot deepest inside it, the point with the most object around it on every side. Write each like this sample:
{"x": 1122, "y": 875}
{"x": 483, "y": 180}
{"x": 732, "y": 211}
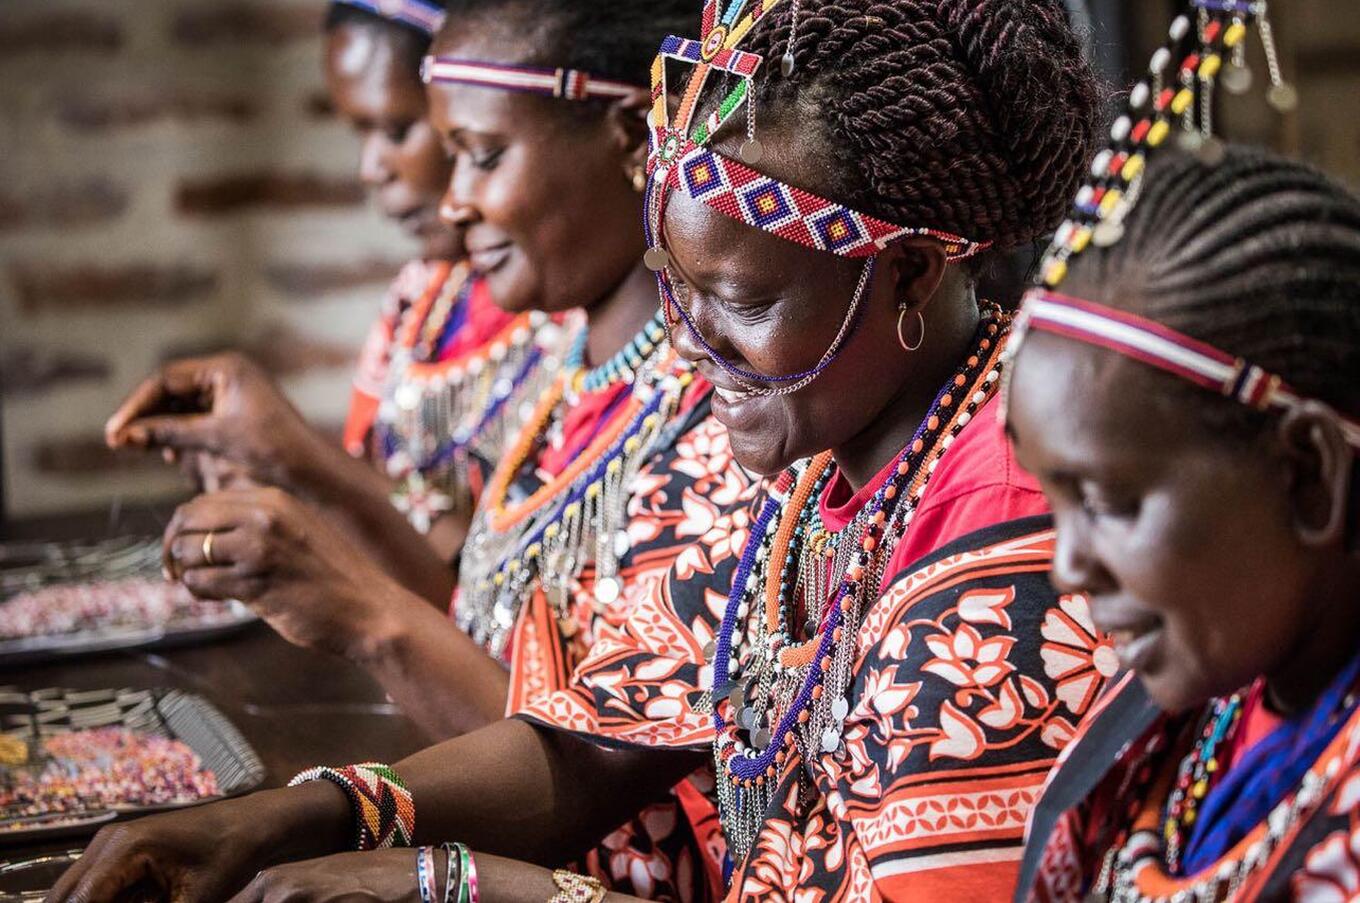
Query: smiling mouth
{"x": 731, "y": 396}
{"x": 487, "y": 260}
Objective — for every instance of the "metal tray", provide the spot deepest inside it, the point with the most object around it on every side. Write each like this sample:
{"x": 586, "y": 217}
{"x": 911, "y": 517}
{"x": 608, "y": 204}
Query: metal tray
{"x": 28, "y": 879}
{"x": 165, "y": 713}
{"x": 34, "y": 566}
{"x": 53, "y": 647}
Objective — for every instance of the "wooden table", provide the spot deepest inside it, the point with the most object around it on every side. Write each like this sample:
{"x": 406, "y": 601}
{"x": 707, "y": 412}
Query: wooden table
{"x": 296, "y": 708}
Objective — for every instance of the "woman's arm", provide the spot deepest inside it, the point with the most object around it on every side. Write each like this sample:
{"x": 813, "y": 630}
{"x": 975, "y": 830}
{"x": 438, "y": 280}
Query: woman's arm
{"x": 227, "y": 407}
{"x": 319, "y": 591}
{"x": 509, "y": 789}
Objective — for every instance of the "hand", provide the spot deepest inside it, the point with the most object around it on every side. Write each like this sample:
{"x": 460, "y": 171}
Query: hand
{"x": 280, "y": 557}
{"x": 203, "y": 854}
{"x": 381, "y": 876}
{"x": 223, "y": 405}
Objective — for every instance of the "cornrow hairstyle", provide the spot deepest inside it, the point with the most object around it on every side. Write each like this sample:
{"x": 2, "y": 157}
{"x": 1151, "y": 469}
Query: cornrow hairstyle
{"x": 1258, "y": 256}
{"x": 410, "y": 42}
{"x": 613, "y": 39}
{"x": 973, "y": 116}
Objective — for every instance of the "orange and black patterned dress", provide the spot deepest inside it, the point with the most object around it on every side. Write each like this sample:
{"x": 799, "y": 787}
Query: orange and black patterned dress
{"x": 970, "y": 673}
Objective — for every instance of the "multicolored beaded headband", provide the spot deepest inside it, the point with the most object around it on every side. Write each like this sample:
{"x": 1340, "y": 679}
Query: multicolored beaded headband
{"x": 679, "y": 157}
{"x": 1161, "y": 347}
{"x": 422, "y": 16}
{"x": 1211, "y": 48}
{"x": 567, "y": 84}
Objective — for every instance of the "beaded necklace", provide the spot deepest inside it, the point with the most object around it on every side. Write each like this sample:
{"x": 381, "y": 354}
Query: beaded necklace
{"x": 1197, "y": 773}
{"x": 774, "y": 696}
{"x": 434, "y": 412}
{"x": 622, "y": 366}
{"x": 576, "y": 519}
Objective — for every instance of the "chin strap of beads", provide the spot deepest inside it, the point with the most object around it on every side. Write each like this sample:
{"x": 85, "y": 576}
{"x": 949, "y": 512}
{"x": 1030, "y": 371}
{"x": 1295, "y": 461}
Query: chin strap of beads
{"x": 1205, "y": 45}
{"x": 384, "y": 813}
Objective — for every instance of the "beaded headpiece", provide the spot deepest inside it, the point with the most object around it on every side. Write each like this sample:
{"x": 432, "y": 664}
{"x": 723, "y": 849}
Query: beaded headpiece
{"x": 421, "y": 15}
{"x": 1209, "y": 44}
{"x": 567, "y": 84}
{"x": 681, "y": 157}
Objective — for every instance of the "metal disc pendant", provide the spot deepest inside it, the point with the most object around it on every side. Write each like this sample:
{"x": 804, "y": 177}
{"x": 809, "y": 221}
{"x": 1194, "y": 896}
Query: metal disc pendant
{"x": 831, "y": 740}
{"x": 1107, "y": 233}
{"x": 761, "y": 738}
{"x": 786, "y": 64}
{"x": 738, "y": 699}
{"x": 751, "y": 151}
{"x": 621, "y": 544}
{"x": 1283, "y": 97}
{"x": 1236, "y": 79}
{"x": 840, "y": 707}
{"x": 656, "y": 259}
{"x": 1212, "y": 152}
{"x": 709, "y": 648}
{"x": 608, "y": 590}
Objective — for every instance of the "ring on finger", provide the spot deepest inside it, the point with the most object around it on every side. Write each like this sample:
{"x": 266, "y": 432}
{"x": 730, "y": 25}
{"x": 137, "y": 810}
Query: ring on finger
{"x": 207, "y": 548}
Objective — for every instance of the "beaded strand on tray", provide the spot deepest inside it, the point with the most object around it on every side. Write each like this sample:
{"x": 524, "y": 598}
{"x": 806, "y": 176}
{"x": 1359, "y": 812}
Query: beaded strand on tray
{"x": 773, "y": 696}
{"x": 1171, "y": 96}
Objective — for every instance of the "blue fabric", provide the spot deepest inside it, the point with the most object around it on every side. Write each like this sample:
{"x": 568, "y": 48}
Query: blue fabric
{"x": 1266, "y": 774}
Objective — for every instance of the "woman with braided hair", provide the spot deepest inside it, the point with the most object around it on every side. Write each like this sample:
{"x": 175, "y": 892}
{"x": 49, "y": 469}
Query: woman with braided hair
{"x": 871, "y": 658}
{"x": 1214, "y": 536}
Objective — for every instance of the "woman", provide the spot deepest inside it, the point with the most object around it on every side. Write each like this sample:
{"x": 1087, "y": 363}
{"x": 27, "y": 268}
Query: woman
{"x": 937, "y": 712}
{"x": 1224, "y": 565}
{"x": 589, "y": 503}
{"x": 430, "y": 401}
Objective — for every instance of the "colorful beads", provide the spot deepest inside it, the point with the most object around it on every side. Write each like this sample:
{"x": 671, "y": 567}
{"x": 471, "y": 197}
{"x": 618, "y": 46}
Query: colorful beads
{"x": 384, "y": 812}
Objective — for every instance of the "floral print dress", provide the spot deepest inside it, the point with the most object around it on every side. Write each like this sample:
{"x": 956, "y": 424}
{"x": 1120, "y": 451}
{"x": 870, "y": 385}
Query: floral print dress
{"x": 971, "y": 674}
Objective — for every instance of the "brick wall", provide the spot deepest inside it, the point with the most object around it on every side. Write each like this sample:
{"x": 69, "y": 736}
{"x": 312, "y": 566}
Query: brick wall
{"x": 171, "y": 180}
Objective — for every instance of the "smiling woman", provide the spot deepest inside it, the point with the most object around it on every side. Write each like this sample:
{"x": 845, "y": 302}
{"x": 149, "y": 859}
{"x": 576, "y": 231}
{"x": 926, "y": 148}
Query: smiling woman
{"x": 1201, "y": 468}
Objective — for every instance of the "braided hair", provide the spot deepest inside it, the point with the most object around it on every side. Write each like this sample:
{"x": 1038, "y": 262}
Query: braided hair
{"x": 973, "y": 116}
{"x": 1258, "y": 256}
{"x": 410, "y": 42}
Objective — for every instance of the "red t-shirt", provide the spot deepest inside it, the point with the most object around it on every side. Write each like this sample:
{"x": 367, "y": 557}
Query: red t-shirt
{"x": 977, "y": 484}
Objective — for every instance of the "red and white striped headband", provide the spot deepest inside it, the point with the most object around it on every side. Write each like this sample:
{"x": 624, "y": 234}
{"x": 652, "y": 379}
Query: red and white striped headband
{"x": 568, "y": 84}
{"x": 1161, "y": 347}
{"x": 422, "y": 16}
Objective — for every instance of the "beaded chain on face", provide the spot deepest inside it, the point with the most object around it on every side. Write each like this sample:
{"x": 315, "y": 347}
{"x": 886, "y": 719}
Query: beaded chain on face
{"x": 435, "y": 413}
{"x": 774, "y": 694}
{"x": 578, "y": 518}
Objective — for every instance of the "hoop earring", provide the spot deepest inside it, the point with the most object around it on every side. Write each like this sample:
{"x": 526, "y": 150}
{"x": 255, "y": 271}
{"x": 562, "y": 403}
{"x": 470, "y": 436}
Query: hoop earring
{"x": 640, "y": 180}
{"x": 902, "y": 312}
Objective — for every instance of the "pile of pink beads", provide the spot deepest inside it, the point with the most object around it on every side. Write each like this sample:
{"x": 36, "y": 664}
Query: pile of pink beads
{"x": 110, "y": 767}
{"x": 129, "y": 603}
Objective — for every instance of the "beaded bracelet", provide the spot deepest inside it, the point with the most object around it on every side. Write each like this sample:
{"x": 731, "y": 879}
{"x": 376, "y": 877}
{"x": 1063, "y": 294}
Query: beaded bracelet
{"x": 574, "y": 888}
{"x": 384, "y": 813}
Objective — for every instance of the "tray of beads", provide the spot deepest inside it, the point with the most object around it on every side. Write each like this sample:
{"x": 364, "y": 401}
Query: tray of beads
{"x": 64, "y": 599}
{"x": 71, "y": 760}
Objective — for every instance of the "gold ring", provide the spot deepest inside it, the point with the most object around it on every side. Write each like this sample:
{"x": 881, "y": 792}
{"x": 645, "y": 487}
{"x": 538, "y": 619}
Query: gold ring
{"x": 207, "y": 549}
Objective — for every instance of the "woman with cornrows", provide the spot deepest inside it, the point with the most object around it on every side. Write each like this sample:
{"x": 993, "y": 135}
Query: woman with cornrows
{"x": 442, "y": 376}
{"x": 1226, "y": 764}
{"x": 871, "y": 656}
{"x": 601, "y": 490}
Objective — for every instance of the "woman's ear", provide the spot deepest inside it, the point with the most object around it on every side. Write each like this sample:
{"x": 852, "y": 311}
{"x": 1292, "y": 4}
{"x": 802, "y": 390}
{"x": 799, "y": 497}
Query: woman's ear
{"x": 1320, "y": 462}
{"x": 918, "y": 266}
{"x": 626, "y": 121}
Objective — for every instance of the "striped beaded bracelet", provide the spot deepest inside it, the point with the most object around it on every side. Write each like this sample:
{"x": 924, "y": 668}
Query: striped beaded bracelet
{"x": 384, "y": 813}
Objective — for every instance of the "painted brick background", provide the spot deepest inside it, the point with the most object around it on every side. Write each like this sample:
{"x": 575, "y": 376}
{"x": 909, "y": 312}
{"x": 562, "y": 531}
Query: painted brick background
{"x": 171, "y": 181}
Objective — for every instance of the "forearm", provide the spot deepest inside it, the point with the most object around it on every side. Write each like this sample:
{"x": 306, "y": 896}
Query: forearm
{"x": 359, "y": 499}
{"x": 514, "y": 790}
{"x": 501, "y": 880}
{"x": 442, "y": 680}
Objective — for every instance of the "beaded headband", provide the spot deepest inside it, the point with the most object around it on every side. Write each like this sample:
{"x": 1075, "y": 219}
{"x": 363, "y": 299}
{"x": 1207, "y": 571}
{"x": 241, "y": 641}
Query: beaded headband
{"x": 422, "y": 16}
{"x": 1162, "y": 347}
{"x": 567, "y": 84}
{"x": 1211, "y": 49}
{"x": 680, "y": 157}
